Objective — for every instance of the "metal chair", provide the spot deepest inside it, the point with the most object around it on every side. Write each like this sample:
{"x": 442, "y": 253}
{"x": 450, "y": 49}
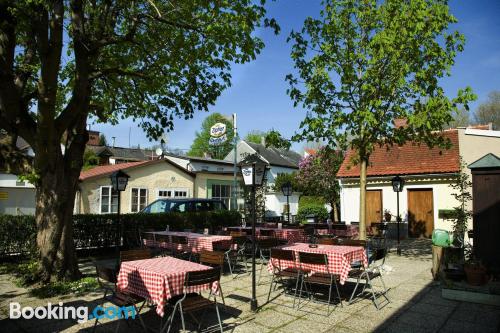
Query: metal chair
{"x": 264, "y": 248}
{"x": 121, "y": 300}
{"x": 368, "y": 274}
{"x": 284, "y": 270}
{"x": 179, "y": 247}
{"x": 229, "y": 255}
{"x": 240, "y": 245}
{"x": 148, "y": 239}
{"x": 137, "y": 254}
{"x": 194, "y": 302}
{"x": 309, "y": 278}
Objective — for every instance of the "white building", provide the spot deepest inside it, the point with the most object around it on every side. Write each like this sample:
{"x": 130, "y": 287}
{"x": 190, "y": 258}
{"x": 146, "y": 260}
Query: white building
{"x": 428, "y": 174}
{"x": 279, "y": 161}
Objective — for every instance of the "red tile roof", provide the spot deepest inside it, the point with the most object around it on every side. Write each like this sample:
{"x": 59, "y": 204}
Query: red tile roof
{"x": 107, "y": 169}
{"x": 409, "y": 159}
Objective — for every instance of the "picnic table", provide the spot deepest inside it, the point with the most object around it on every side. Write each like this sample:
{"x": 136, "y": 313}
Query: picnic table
{"x": 159, "y": 279}
{"x": 196, "y": 242}
{"x": 340, "y": 258}
{"x": 286, "y": 234}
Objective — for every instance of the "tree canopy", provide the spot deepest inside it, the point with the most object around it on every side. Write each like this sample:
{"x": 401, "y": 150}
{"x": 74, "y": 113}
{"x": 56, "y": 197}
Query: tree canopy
{"x": 201, "y": 145}
{"x": 365, "y": 63}
{"x": 65, "y": 61}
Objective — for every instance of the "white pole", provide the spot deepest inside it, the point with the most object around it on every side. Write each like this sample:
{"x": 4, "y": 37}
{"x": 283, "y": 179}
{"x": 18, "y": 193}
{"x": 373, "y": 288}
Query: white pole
{"x": 235, "y": 182}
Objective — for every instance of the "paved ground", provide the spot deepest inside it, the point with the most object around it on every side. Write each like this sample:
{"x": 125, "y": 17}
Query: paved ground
{"x": 416, "y": 306}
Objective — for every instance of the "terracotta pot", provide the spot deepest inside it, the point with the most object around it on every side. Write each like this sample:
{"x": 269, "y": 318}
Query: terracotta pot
{"x": 476, "y": 274}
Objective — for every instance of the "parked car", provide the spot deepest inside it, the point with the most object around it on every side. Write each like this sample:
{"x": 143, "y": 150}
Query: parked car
{"x": 184, "y": 205}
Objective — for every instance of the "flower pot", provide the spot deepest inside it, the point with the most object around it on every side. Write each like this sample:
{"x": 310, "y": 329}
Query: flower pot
{"x": 475, "y": 274}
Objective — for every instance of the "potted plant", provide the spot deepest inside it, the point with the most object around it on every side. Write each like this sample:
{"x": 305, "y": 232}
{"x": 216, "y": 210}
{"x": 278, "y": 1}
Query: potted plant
{"x": 387, "y": 215}
{"x": 475, "y": 272}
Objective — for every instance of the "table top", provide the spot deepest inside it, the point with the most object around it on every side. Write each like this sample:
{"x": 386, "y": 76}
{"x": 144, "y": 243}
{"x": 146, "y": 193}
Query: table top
{"x": 340, "y": 249}
{"x": 180, "y": 233}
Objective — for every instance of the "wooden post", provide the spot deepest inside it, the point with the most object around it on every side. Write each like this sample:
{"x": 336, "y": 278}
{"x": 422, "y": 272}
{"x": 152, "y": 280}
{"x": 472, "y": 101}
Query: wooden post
{"x": 437, "y": 260}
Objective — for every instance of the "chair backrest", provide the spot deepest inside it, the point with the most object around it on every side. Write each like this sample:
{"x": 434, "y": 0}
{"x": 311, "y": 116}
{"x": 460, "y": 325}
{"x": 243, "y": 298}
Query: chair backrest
{"x": 237, "y": 233}
{"x": 326, "y": 241}
{"x": 239, "y": 240}
{"x": 198, "y": 278}
{"x": 212, "y": 258}
{"x": 378, "y": 249}
{"x": 179, "y": 239}
{"x": 221, "y": 245}
{"x": 162, "y": 239}
{"x": 267, "y": 243}
{"x": 137, "y": 254}
{"x": 349, "y": 242}
{"x": 107, "y": 274}
{"x": 313, "y": 258}
{"x": 267, "y": 232}
{"x": 281, "y": 254}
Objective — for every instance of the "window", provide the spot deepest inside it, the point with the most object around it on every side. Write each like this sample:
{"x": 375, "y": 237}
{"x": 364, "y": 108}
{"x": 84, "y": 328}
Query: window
{"x": 222, "y": 192}
{"x": 139, "y": 199}
{"x": 173, "y": 193}
{"x": 109, "y": 200}
{"x": 204, "y": 168}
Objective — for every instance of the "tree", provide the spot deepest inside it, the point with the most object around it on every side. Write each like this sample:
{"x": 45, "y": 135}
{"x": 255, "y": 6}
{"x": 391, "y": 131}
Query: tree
{"x": 201, "y": 144}
{"x": 90, "y": 159}
{"x": 489, "y": 112}
{"x": 461, "y": 186}
{"x": 255, "y": 136}
{"x": 461, "y": 118}
{"x": 365, "y": 63}
{"x": 317, "y": 176}
{"x": 102, "y": 140}
{"x": 64, "y": 61}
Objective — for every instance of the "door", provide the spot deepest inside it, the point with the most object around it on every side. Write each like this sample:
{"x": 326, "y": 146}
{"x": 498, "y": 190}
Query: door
{"x": 420, "y": 213}
{"x": 373, "y": 206}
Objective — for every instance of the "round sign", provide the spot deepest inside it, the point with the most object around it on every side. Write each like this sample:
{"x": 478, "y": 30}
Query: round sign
{"x": 218, "y": 130}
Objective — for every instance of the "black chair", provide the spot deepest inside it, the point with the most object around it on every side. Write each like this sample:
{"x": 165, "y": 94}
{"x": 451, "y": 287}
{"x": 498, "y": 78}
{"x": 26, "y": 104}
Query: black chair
{"x": 239, "y": 245}
{"x": 179, "y": 247}
{"x": 376, "y": 261}
{"x": 137, "y": 254}
{"x": 283, "y": 272}
{"x": 267, "y": 233}
{"x": 316, "y": 278}
{"x": 119, "y": 299}
{"x": 226, "y": 248}
{"x": 194, "y": 302}
{"x": 264, "y": 246}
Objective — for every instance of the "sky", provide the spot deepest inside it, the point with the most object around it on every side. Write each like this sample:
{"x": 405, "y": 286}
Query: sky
{"x": 258, "y": 92}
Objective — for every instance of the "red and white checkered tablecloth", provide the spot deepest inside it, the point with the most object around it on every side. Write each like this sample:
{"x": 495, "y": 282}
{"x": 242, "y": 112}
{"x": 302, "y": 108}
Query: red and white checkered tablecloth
{"x": 159, "y": 279}
{"x": 351, "y": 231}
{"x": 339, "y": 258}
{"x": 196, "y": 242}
{"x": 290, "y": 235}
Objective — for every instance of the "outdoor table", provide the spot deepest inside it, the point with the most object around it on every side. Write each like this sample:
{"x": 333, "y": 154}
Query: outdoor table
{"x": 159, "y": 279}
{"x": 339, "y": 258}
{"x": 289, "y": 235}
{"x": 350, "y": 231}
{"x": 196, "y": 242}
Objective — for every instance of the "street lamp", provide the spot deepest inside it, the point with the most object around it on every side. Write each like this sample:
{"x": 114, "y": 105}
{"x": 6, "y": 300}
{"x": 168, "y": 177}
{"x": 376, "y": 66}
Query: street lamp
{"x": 286, "y": 188}
{"x": 253, "y": 170}
{"x": 397, "y": 186}
{"x": 119, "y": 180}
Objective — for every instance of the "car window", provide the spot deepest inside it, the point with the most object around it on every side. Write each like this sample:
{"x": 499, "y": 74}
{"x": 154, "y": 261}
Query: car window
{"x": 202, "y": 206}
{"x": 160, "y": 206}
{"x": 180, "y": 207}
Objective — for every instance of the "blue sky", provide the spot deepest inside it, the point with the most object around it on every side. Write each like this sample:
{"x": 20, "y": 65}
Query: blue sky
{"x": 258, "y": 94}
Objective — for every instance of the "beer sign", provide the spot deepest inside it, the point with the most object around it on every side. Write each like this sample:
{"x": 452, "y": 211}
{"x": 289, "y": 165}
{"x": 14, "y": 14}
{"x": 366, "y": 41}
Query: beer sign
{"x": 218, "y": 130}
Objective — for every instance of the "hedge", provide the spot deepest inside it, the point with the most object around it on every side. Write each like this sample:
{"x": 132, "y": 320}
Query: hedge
{"x": 320, "y": 212}
{"x": 18, "y": 233}
{"x": 307, "y": 200}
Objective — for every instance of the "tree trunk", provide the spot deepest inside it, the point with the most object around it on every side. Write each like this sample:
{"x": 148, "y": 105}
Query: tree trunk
{"x": 55, "y": 198}
{"x": 362, "y": 197}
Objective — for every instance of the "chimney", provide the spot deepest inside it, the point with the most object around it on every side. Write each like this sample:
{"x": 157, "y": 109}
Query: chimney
{"x": 400, "y": 122}
{"x": 114, "y": 138}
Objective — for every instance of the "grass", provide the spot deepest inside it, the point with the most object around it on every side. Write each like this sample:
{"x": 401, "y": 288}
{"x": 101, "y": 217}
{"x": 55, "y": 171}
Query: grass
{"x": 25, "y": 272}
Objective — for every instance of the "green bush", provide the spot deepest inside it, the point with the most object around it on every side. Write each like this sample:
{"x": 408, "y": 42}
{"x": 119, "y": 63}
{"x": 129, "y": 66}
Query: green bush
{"x": 18, "y": 233}
{"x": 320, "y": 212}
{"x": 307, "y": 200}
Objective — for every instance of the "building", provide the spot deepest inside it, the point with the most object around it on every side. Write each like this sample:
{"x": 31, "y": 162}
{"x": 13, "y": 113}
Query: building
{"x": 152, "y": 180}
{"x": 279, "y": 161}
{"x": 428, "y": 174}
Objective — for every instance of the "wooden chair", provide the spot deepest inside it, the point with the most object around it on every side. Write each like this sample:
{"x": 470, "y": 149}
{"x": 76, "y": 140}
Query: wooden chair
{"x": 327, "y": 279}
{"x": 284, "y": 270}
{"x": 326, "y": 241}
{"x": 119, "y": 299}
{"x": 237, "y": 233}
{"x": 194, "y": 302}
{"x": 179, "y": 247}
{"x": 138, "y": 254}
{"x": 226, "y": 248}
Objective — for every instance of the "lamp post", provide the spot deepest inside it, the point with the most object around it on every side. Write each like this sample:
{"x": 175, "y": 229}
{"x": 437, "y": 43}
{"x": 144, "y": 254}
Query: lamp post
{"x": 397, "y": 186}
{"x": 253, "y": 170}
{"x": 286, "y": 188}
{"x": 119, "y": 180}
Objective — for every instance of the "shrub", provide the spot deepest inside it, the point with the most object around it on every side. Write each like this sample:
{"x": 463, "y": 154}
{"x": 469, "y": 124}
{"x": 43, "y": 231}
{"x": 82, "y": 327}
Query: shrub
{"x": 320, "y": 212}
{"x": 306, "y": 200}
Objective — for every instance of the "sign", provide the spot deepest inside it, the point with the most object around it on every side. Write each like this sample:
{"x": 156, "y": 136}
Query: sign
{"x": 247, "y": 174}
{"x": 218, "y": 130}
{"x": 216, "y": 141}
